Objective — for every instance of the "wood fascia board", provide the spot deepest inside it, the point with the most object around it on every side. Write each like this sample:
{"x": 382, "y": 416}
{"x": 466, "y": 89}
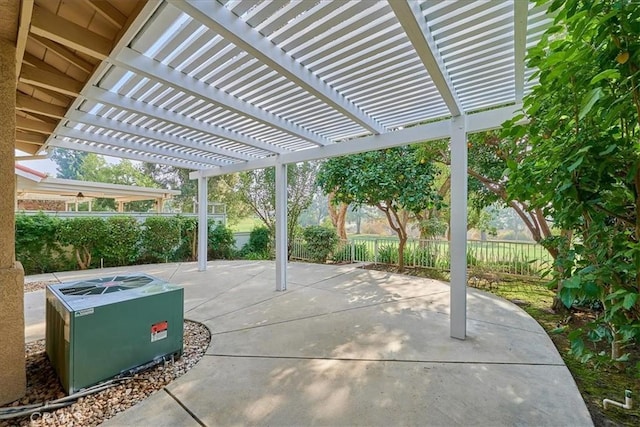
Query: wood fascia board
{"x": 29, "y": 104}
{"x": 26, "y": 11}
{"x": 56, "y": 82}
{"x": 34, "y": 125}
{"x": 66, "y": 33}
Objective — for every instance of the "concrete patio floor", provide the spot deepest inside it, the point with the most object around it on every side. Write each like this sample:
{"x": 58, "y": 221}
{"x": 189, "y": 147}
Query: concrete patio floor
{"x": 345, "y": 346}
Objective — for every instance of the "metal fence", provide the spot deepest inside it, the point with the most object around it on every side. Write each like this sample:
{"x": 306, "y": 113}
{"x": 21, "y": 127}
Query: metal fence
{"x": 510, "y": 257}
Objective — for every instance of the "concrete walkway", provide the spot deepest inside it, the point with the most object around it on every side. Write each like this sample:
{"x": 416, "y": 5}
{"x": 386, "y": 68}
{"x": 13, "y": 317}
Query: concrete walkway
{"x": 345, "y": 346}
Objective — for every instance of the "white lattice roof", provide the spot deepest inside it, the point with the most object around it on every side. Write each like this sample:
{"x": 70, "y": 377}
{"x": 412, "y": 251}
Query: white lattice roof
{"x": 231, "y": 85}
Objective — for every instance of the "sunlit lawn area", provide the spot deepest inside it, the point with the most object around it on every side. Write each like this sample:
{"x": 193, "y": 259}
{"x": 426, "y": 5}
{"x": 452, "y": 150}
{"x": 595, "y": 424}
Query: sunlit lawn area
{"x": 245, "y": 225}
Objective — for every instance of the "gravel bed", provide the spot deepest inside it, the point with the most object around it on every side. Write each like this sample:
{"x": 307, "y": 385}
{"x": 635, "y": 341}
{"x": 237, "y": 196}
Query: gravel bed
{"x": 36, "y": 286}
{"x": 43, "y": 385}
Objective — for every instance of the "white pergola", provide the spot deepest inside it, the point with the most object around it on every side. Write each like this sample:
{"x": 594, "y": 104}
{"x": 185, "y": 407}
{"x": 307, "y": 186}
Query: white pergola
{"x": 227, "y": 86}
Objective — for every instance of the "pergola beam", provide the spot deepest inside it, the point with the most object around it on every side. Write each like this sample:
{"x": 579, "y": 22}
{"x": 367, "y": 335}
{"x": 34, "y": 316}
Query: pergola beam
{"x": 69, "y": 34}
{"x": 118, "y": 101}
{"x": 142, "y": 132}
{"x": 520, "y": 12}
{"x": 222, "y": 21}
{"x": 144, "y": 66}
{"x": 134, "y": 145}
{"x": 32, "y": 105}
{"x": 491, "y": 119}
{"x": 415, "y": 26}
{"x": 55, "y": 81}
{"x": 124, "y": 154}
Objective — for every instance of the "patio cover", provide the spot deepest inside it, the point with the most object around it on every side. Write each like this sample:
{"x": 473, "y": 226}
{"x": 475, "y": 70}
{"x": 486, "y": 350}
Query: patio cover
{"x": 35, "y": 185}
{"x": 225, "y": 86}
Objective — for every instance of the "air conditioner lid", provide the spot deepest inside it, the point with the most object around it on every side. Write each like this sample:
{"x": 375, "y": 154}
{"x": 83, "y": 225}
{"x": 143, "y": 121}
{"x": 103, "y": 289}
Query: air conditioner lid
{"x": 88, "y": 293}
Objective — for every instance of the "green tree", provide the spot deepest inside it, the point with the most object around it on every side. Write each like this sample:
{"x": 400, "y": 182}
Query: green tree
{"x": 583, "y": 158}
{"x": 87, "y": 236}
{"x": 397, "y": 181}
{"x": 69, "y": 162}
{"x": 257, "y": 189}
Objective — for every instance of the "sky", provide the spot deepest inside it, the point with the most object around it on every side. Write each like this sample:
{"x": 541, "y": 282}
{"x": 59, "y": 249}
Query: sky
{"x": 49, "y": 167}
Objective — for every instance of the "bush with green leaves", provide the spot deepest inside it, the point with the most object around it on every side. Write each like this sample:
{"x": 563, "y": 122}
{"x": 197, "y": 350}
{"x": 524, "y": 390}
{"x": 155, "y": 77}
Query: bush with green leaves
{"x": 160, "y": 239}
{"x": 259, "y": 244}
{"x": 188, "y": 249}
{"x": 88, "y": 237}
{"x": 37, "y": 246}
{"x": 123, "y": 241}
{"x": 221, "y": 241}
{"x": 320, "y": 242}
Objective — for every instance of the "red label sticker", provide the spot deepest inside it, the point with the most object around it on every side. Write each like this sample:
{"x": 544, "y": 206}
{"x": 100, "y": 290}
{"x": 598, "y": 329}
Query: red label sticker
{"x": 159, "y": 330}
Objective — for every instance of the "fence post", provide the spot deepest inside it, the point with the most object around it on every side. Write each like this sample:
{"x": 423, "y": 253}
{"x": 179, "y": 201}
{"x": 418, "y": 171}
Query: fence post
{"x": 353, "y": 251}
{"x": 375, "y": 251}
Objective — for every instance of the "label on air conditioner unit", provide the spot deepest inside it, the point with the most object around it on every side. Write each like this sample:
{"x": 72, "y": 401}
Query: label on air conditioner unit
{"x": 159, "y": 331}
{"x": 85, "y": 312}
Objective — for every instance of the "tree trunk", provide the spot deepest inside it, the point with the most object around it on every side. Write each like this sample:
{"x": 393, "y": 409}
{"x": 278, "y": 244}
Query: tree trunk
{"x": 401, "y": 245}
{"x": 338, "y": 215}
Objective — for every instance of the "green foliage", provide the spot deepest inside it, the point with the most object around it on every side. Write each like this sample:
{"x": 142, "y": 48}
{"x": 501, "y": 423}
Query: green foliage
{"x": 320, "y": 242}
{"x": 257, "y": 189}
{"x": 394, "y": 180}
{"x": 351, "y": 251}
{"x": 122, "y": 246}
{"x": 259, "y": 243}
{"x": 582, "y": 164}
{"x": 188, "y": 249}
{"x": 160, "y": 238}
{"x": 69, "y": 162}
{"x": 388, "y": 254}
{"x": 87, "y": 236}
{"x": 221, "y": 241}
{"x": 37, "y": 247}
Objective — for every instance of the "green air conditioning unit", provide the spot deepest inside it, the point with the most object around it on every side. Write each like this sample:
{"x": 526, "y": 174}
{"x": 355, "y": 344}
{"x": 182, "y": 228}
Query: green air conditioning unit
{"x": 99, "y": 328}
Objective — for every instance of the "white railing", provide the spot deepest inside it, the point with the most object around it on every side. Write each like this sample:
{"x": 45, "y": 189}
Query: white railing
{"x": 511, "y": 257}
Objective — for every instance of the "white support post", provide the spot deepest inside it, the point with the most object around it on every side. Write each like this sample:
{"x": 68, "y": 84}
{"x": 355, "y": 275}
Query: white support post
{"x": 458, "y": 244}
{"x": 203, "y": 228}
{"x": 281, "y": 227}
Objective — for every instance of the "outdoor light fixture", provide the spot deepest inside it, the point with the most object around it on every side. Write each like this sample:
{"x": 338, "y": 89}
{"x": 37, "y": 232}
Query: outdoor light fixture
{"x": 80, "y": 195}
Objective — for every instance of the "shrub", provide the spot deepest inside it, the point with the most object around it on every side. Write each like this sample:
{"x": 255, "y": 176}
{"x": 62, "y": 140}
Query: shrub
{"x": 160, "y": 238}
{"x": 221, "y": 242}
{"x": 188, "y": 248}
{"x": 259, "y": 243}
{"x": 388, "y": 254}
{"x": 87, "y": 236}
{"x": 37, "y": 247}
{"x": 123, "y": 241}
{"x": 320, "y": 242}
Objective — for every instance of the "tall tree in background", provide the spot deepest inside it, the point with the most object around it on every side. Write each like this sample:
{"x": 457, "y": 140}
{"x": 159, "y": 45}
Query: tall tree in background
{"x": 257, "y": 189}
{"x": 69, "y": 162}
{"x": 583, "y": 162}
{"x": 395, "y": 180}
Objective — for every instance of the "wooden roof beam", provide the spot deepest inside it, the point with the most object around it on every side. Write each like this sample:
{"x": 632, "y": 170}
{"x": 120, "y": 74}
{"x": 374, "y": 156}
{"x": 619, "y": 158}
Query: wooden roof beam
{"x": 66, "y": 33}
{"x": 108, "y": 12}
{"x": 29, "y": 104}
{"x": 63, "y": 53}
{"x": 27, "y": 148}
{"x": 30, "y": 138}
{"x": 34, "y": 125}
{"x": 55, "y": 81}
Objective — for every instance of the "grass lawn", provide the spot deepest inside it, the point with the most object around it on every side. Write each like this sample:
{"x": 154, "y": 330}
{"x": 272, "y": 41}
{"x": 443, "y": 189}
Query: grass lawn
{"x": 246, "y": 225}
